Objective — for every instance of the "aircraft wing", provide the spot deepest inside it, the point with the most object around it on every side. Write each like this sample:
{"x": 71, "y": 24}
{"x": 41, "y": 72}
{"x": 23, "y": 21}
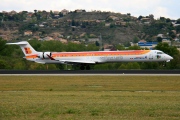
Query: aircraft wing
{"x": 73, "y": 61}
{"x": 77, "y": 61}
{"x": 39, "y": 62}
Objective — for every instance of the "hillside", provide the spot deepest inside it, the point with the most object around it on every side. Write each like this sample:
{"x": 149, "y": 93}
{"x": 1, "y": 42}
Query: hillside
{"x": 83, "y": 26}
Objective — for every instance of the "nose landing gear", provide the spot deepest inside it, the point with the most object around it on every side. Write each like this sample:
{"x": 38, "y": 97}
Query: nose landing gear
{"x": 164, "y": 64}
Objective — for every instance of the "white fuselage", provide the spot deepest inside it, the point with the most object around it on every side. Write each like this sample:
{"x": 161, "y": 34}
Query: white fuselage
{"x": 105, "y": 56}
{"x": 85, "y": 58}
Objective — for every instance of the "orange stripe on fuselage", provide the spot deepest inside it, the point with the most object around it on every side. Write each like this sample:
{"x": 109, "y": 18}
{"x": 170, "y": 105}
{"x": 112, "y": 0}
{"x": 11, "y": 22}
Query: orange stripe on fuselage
{"x": 108, "y": 53}
{"x": 78, "y": 54}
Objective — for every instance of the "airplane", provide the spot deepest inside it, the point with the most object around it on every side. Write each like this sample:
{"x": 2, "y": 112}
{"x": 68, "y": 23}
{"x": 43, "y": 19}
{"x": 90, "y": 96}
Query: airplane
{"x": 86, "y": 58}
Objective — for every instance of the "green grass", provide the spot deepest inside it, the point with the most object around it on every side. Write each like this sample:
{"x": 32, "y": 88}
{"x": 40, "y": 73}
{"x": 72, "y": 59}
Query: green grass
{"x": 89, "y": 97}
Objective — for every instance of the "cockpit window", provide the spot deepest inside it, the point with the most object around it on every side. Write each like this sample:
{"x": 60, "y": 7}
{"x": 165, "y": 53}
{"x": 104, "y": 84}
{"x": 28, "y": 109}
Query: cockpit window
{"x": 160, "y": 53}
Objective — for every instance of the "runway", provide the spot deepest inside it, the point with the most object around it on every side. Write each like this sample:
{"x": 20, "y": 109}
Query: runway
{"x": 90, "y": 72}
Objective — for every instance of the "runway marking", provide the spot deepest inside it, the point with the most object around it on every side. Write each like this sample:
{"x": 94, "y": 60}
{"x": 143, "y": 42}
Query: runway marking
{"x": 89, "y": 74}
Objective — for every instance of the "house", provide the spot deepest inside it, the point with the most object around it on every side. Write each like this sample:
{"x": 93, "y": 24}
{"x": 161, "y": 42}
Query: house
{"x": 133, "y": 44}
{"x": 79, "y": 10}
{"x": 176, "y": 39}
{"x": 12, "y": 12}
{"x": 123, "y": 23}
{"x": 29, "y": 15}
{"x": 160, "y": 35}
{"x": 41, "y": 25}
{"x": 114, "y": 17}
{"x": 164, "y": 40}
{"x": 63, "y": 40}
{"x": 48, "y": 38}
{"x": 91, "y": 40}
{"x": 108, "y": 47}
{"x": 4, "y": 12}
{"x": 107, "y": 24}
{"x": 146, "y": 20}
{"x": 175, "y": 24}
{"x": 76, "y": 42}
{"x": 56, "y": 12}
{"x": 27, "y": 33}
{"x": 64, "y": 12}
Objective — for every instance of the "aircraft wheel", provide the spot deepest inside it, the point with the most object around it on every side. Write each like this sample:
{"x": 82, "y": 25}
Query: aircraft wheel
{"x": 88, "y": 67}
{"x": 82, "y": 67}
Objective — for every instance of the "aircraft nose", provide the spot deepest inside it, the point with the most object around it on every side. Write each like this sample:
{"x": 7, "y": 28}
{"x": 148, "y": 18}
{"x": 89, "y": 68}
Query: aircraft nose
{"x": 170, "y": 57}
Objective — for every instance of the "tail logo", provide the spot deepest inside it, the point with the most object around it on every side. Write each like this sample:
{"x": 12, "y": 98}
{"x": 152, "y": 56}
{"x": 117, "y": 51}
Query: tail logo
{"x": 28, "y": 50}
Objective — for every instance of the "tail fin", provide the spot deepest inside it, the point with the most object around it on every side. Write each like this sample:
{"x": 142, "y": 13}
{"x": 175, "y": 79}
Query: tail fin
{"x": 25, "y": 46}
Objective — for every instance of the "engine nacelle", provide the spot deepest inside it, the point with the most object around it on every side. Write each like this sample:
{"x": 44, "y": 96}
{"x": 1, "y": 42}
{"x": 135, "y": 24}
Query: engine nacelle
{"x": 45, "y": 55}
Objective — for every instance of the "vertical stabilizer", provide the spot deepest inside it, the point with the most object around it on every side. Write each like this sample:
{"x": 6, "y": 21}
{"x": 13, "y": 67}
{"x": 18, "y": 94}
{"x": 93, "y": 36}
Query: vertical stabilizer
{"x": 26, "y": 47}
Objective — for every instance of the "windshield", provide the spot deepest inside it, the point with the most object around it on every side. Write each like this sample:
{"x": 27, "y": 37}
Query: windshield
{"x": 160, "y": 53}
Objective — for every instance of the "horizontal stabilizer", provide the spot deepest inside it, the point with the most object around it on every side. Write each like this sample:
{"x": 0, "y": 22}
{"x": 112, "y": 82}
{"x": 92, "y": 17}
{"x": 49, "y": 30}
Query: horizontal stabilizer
{"x": 18, "y": 43}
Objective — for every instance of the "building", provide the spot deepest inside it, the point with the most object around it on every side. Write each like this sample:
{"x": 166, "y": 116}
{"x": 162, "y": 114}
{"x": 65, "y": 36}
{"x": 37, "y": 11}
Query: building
{"x": 64, "y": 12}
{"x": 56, "y": 12}
{"x": 27, "y": 33}
{"x": 149, "y": 45}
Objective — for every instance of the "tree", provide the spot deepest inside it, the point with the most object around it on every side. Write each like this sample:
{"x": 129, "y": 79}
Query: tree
{"x": 120, "y": 47}
{"x": 178, "y": 21}
{"x": 4, "y": 64}
{"x": 51, "y": 67}
{"x": 172, "y": 51}
{"x": 129, "y": 14}
{"x": 123, "y": 66}
{"x": 73, "y": 23}
{"x": 2, "y": 45}
{"x": 135, "y": 47}
{"x": 140, "y": 17}
{"x": 159, "y": 39}
{"x": 135, "y": 40}
{"x": 101, "y": 66}
{"x": 37, "y": 66}
{"x": 133, "y": 65}
{"x": 97, "y": 43}
{"x": 19, "y": 65}
{"x": 112, "y": 25}
{"x": 35, "y": 12}
{"x": 149, "y": 65}
{"x": 5, "y": 50}
{"x": 61, "y": 15}
{"x": 168, "y": 20}
{"x": 52, "y": 14}
{"x": 163, "y": 19}
{"x": 172, "y": 34}
{"x": 178, "y": 28}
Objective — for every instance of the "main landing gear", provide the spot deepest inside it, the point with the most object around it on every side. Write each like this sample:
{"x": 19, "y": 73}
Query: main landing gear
{"x": 84, "y": 66}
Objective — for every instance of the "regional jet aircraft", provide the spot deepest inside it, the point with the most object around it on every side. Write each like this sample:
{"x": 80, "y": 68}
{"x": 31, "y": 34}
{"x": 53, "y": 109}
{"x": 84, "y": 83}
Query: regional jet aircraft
{"x": 84, "y": 59}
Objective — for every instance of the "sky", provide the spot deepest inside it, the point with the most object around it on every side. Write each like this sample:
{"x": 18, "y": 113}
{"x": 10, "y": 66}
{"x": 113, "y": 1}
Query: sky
{"x": 159, "y": 8}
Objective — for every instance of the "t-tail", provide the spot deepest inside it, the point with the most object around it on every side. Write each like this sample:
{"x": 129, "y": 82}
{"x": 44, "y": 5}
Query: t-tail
{"x": 26, "y": 48}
